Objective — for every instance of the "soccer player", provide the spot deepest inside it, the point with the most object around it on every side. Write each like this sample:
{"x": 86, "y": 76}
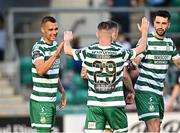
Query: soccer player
{"x": 45, "y": 72}
{"x": 104, "y": 63}
{"x": 127, "y": 83}
{"x": 153, "y": 65}
{"x": 126, "y": 77}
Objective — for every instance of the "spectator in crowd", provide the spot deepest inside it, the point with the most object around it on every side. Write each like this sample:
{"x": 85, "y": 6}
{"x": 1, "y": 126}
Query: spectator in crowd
{"x": 121, "y": 39}
{"x": 2, "y": 38}
{"x": 157, "y": 3}
{"x": 121, "y": 17}
{"x": 77, "y": 65}
{"x": 136, "y": 3}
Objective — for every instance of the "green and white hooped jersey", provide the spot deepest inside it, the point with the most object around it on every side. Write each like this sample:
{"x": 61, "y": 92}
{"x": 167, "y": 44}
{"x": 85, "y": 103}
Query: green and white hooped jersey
{"x": 104, "y": 70}
{"x": 154, "y": 64}
{"x": 45, "y": 87}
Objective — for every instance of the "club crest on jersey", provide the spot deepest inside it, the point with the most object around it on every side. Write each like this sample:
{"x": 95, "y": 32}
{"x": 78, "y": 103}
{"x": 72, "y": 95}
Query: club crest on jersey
{"x": 167, "y": 47}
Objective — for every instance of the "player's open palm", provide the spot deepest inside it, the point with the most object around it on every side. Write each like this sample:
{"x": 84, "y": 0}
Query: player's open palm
{"x": 68, "y": 36}
{"x": 59, "y": 49}
{"x": 143, "y": 28}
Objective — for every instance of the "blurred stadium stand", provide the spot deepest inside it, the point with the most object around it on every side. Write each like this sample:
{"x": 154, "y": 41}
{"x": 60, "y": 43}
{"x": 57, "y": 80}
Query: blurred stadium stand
{"x": 11, "y": 101}
{"x": 23, "y": 26}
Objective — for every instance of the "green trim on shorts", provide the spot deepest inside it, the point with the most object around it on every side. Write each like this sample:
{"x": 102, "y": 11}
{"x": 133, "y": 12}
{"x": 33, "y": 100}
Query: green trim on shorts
{"x": 44, "y": 130}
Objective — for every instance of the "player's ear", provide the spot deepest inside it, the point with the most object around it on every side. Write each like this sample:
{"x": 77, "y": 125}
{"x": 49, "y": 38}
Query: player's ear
{"x": 42, "y": 29}
{"x": 114, "y": 34}
{"x": 97, "y": 34}
{"x": 169, "y": 25}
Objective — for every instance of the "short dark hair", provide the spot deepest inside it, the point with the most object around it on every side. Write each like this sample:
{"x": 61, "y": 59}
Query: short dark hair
{"x": 104, "y": 26}
{"x": 114, "y": 24}
{"x": 48, "y": 19}
{"x": 162, "y": 13}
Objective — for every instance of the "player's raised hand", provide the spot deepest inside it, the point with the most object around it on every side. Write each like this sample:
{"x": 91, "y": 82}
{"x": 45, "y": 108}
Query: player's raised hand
{"x": 68, "y": 35}
{"x": 59, "y": 49}
{"x": 143, "y": 28}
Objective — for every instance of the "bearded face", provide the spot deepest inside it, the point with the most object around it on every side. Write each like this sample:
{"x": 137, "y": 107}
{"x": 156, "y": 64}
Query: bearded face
{"x": 161, "y": 25}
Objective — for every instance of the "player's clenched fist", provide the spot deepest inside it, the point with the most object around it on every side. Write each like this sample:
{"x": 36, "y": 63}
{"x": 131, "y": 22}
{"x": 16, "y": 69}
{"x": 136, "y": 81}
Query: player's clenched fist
{"x": 68, "y": 36}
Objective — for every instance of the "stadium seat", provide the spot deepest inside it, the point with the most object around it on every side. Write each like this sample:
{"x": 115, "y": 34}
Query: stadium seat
{"x": 175, "y": 20}
{"x": 80, "y": 97}
{"x": 69, "y": 63}
{"x": 79, "y": 83}
{"x": 25, "y": 70}
{"x": 175, "y": 3}
{"x": 69, "y": 97}
{"x": 174, "y": 28}
{"x": 175, "y": 16}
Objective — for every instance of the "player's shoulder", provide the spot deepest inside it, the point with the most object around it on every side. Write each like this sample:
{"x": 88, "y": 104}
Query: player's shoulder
{"x": 168, "y": 39}
{"x": 93, "y": 45}
{"x": 116, "y": 44}
{"x": 152, "y": 38}
{"x": 117, "y": 47}
{"x": 38, "y": 44}
{"x": 151, "y": 34}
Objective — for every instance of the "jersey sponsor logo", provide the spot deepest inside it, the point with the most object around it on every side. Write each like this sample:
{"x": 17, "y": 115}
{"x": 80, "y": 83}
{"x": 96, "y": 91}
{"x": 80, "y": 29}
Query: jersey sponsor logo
{"x": 160, "y": 62}
{"x": 98, "y": 56}
{"x": 92, "y": 125}
{"x": 104, "y": 52}
{"x": 104, "y": 87}
{"x": 161, "y": 59}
